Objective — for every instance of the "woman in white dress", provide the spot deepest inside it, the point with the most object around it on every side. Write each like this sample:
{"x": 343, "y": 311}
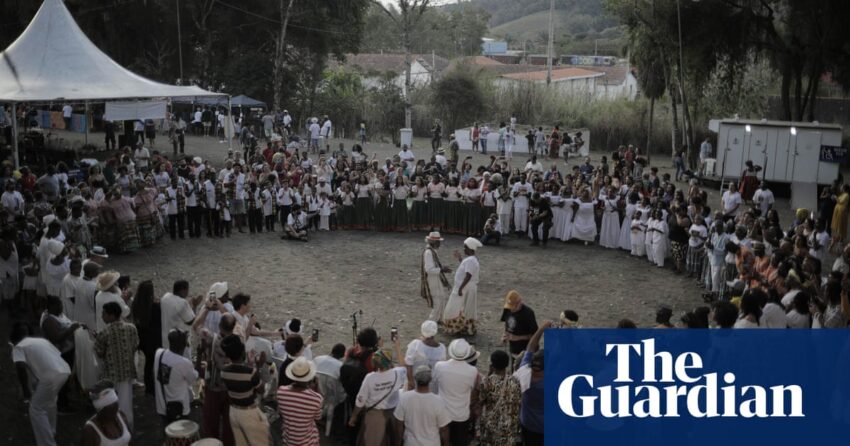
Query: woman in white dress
{"x": 650, "y": 231}
{"x": 558, "y": 212}
{"x": 609, "y": 236}
{"x": 659, "y": 239}
{"x": 567, "y": 201}
{"x": 584, "y": 226}
{"x": 638, "y": 235}
{"x": 626, "y": 227}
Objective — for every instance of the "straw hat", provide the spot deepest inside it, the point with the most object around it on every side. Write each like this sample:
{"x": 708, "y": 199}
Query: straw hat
{"x": 301, "y": 370}
{"x": 460, "y": 350}
{"x": 434, "y": 237}
{"x": 106, "y": 280}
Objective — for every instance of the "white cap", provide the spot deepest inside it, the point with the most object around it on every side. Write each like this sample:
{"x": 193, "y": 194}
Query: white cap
{"x": 472, "y": 243}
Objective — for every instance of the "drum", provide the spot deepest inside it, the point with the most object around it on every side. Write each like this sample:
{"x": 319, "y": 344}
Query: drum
{"x": 207, "y": 442}
{"x": 181, "y": 433}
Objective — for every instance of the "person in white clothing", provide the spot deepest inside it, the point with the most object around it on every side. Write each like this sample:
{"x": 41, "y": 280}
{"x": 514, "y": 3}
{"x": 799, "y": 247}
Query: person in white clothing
{"x": 763, "y": 198}
{"x": 40, "y": 367}
{"x": 421, "y": 418}
{"x": 457, "y": 383}
{"x": 107, "y": 291}
{"x": 425, "y": 351}
{"x": 520, "y": 193}
{"x": 434, "y": 285}
{"x": 174, "y": 376}
{"x": 406, "y": 155}
{"x": 731, "y": 202}
{"x": 461, "y": 313}
{"x": 378, "y": 394}
{"x": 176, "y": 311}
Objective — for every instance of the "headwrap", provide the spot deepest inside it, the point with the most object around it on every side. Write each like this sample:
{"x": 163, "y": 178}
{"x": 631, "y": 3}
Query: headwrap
{"x": 103, "y": 399}
{"x": 381, "y": 360}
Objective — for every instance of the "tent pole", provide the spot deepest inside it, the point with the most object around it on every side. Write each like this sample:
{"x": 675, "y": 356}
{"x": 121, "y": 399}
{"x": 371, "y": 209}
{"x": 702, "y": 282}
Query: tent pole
{"x": 86, "y": 121}
{"x": 15, "y": 135}
{"x": 15, "y": 155}
{"x": 229, "y": 121}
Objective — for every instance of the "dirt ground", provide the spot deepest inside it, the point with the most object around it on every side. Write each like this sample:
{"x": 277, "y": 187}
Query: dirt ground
{"x": 338, "y": 273}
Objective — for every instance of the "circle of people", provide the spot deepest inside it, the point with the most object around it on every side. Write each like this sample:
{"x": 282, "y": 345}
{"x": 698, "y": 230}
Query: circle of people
{"x": 55, "y": 228}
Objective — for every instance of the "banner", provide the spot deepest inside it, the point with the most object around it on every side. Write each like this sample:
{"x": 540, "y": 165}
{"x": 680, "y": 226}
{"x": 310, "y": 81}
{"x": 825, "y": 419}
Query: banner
{"x": 131, "y": 111}
{"x": 696, "y": 387}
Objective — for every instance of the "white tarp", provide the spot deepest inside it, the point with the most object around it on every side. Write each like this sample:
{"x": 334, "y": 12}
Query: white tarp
{"x": 53, "y": 60}
{"x": 126, "y": 111}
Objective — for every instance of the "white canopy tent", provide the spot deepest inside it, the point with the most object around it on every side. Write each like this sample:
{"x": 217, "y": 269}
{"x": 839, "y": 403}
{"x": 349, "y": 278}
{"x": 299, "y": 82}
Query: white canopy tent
{"x": 53, "y": 60}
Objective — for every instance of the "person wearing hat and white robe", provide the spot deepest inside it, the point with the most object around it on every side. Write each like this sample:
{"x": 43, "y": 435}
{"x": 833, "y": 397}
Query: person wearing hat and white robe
{"x": 457, "y": 382}
{"x": 300, "y": 406}
{"x": 461, "y": 311}
{"x": 434, "y": 285}
{"x": 108, "y": 292}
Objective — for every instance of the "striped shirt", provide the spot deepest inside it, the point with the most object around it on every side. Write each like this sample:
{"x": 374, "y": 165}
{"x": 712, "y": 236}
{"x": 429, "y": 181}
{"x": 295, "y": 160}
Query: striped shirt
{"x": 241, "y": 382}
{"x": 299, "y": 408}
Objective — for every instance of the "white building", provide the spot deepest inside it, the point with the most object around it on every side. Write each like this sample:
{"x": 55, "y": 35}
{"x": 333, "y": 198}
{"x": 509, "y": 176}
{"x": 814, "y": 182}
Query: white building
{"x": 570, "y": 81}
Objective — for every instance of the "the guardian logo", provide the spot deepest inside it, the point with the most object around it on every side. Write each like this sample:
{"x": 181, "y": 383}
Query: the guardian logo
{"x": 679, "y": 388}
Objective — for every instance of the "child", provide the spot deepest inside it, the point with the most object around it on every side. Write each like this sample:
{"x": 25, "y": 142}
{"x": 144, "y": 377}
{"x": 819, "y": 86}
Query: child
{"x": 699, "y": 234}
{"x": 223, "y": 207}
{"x": 659, "y": 239}
{"x": 650, "y": 229}
{"x": 268, "y": 206}
{"x": 313, "y": 210}
{"x": 324, "y": 212}
{"x": 638, "y": 230}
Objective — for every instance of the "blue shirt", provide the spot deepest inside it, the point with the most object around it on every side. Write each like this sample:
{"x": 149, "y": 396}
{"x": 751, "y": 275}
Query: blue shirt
{"x": 531, "y": 409}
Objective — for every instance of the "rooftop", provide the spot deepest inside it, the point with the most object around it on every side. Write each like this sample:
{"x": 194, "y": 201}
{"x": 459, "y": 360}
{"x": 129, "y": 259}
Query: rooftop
{"x": 559, "y": 74}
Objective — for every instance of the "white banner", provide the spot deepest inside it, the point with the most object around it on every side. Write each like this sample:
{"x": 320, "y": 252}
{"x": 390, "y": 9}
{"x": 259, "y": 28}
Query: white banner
{"x": 127, "y": 111}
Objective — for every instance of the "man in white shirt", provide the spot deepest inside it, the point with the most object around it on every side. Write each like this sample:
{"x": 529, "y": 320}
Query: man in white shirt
{"x": 435, "y": 286}
{"x": 421, "y": 417}
{"x": 704, "y": 153}
{"x": 40, "y": 365}
{"x": 287, "y": 120}
{"x": 108, "y": 292}
{"x": 142, "y": 155}
{"x": 174, "y": 375}
{"x": 520, "y": 192}
{"x": 67, "y": 111}
{"x": 457, "y": 383}
{"x": 176, "y": 311}
{"x": 533, "y": 165}
{"x": 327, "y": 132}
{"x": 407, "y": 155}
{"x": 331, "y": 364}
{"x": 84, "y": 293}
{"x": 197, "y": 121}
{"x": 763, "y": 198}
{"x": 69, "y": 287}
{"x": 441, "y": 157}
{"x": 314, "y": 134}
{"x": 296, "y": 225}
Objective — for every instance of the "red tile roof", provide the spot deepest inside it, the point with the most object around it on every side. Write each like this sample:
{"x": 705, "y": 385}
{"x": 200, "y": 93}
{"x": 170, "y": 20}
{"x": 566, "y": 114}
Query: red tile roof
{"x": 557, "y": 74}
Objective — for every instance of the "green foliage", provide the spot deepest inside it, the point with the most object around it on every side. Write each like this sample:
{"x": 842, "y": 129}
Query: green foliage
{"x": 457, "y": 98}
{"x": 449, "y": 33}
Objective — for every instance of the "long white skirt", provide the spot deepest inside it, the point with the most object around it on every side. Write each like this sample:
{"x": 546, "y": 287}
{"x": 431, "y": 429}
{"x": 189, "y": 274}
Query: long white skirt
{"x": 567, "y": 224}
{"x": 467, "y": 304}
{"x": 609, "y": 236}
{"x": 584, "y": 227}
{"x": 626, "y": 229}
{"x": 557, "y": 230}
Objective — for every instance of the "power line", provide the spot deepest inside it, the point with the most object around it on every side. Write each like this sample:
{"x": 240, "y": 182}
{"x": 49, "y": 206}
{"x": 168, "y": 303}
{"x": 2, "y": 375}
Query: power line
{"x": 292, "y": 25}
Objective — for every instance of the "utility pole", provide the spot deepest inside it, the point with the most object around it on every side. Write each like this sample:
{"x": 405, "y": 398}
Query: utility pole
{"x": 179, "y": 42}
{"x": 551, "y": 45}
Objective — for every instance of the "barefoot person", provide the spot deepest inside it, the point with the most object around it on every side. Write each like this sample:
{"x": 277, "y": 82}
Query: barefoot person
{"x": 461, "y": 313}
{"x": 433, "y": 277}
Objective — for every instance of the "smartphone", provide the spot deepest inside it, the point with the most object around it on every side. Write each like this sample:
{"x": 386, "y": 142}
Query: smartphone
{"x": 315, "y": 335}
{"x": 212, "y": 296}
{"x": 393, "y": 333}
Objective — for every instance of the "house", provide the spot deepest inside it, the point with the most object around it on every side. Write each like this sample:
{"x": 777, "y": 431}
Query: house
{"x": 618, "y": 82}
{"x": 374, "y": 67}
{"x": 572, "y": 81}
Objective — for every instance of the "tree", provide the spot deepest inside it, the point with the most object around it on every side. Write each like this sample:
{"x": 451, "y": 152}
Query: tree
{"x": 650, "y": 77}
{"x": 284, "y": 8}
{"x": 457, "y": 97}
{"x": 406, "y": 18}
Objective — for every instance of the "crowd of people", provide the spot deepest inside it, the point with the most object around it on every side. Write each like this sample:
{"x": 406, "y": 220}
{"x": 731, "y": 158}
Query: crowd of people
{"x": 264, "y": 385}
